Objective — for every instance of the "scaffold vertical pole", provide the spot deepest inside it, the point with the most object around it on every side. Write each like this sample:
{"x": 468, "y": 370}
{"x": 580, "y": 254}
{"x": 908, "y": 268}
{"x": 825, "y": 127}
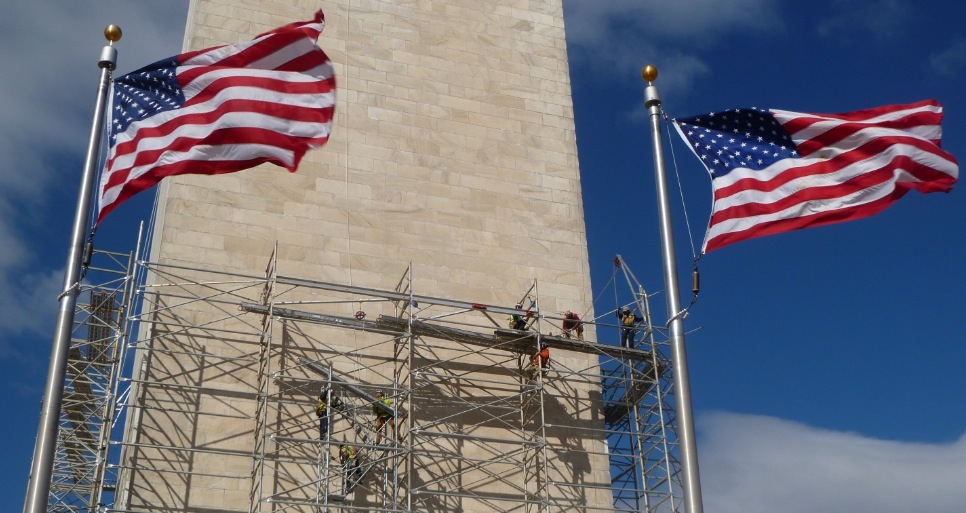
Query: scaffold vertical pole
{"x": 410, "y": 421}
{"x": 542, "y": 470}
{"x": 263, "y": 384}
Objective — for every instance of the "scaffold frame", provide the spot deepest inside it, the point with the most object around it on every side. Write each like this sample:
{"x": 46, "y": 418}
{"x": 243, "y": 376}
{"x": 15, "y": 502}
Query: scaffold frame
{"x": 475, "y": 427}
{"x": 80, "y": 481}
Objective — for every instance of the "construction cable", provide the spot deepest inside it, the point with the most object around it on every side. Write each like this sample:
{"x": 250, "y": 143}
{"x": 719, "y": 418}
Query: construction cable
{"x": 612, "y": 282}
{"x": 695, "y": 275}
{"x": 613, "y": 279}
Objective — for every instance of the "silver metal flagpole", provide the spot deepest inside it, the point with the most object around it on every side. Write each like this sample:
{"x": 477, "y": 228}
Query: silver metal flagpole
{"x": 41, "y": 468}
{"x": 682, "y": 387}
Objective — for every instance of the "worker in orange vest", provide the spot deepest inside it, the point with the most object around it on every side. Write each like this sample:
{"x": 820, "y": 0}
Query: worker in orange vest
{"x": 540, "y": 361}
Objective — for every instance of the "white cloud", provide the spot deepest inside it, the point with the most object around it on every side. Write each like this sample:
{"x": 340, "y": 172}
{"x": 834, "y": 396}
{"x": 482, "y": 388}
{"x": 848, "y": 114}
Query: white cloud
{"x": 619, "y": 37}
{"x": 48, "y": 104}
{"x": 600, "y": 22}
{"x": 756, "y": 464}
{"x": 28, "y": 308}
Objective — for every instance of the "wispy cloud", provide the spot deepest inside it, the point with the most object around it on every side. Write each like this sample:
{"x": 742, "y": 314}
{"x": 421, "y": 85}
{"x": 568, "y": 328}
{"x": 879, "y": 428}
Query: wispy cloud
{"x": 861, "y": 19}
{"x": 620, "y": 37}
{"x": 30, "y": 307}
{"x": 951, "y": 61}
{"x": 757, "y": 464}
{"x": 600, "y": 22}
{"x": 50, "y": 50}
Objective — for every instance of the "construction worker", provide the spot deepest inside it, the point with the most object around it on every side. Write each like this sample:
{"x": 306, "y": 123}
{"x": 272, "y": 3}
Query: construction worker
{"x": 518, "y": 322}
{"x": 573, "y": 324}
{"x": 629, "y": 321}
{"x": 350, "y": 466}
{"x": 383, "y": 416}
{"x": 322, "y": 410}
{"x": 541, "y": 360}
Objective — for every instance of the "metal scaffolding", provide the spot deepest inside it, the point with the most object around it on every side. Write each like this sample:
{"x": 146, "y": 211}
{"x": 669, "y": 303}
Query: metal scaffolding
{"x": 80, "y": 481}
{"x": 639, "y": 414}
{"x": 229, "y": 368}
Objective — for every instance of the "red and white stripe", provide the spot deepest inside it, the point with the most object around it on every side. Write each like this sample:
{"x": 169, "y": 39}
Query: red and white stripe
{"x": 266, "y": 100}
{"x": 852, "y": 166}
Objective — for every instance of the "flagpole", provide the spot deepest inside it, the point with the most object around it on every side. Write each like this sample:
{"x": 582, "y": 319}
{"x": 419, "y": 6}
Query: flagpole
{"x": 41, "y": 467}
{"x": 682, "y": 388}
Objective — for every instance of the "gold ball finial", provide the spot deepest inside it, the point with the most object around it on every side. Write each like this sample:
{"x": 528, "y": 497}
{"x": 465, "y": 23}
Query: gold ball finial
{"x": 649, "y": 73}
{"x": 112, "y": 33}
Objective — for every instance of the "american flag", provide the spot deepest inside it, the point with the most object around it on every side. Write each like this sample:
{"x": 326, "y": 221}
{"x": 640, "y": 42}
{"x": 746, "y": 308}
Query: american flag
{"x": 219, "y": 110}
{"x": 774, "y": 171}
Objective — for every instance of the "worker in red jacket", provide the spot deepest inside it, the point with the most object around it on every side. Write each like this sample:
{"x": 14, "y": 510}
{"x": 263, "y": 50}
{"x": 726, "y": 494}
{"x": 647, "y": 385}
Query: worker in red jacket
{"x": 573, "y": 325}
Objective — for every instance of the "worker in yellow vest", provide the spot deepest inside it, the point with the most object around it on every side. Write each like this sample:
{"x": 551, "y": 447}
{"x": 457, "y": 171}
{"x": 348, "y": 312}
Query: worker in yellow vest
{"x": 322, "y": 410}
{"x": 629, "y": 322}
{"x": 518, "y": 321}
{"x": 350, "y": 466}
{"x": 383, "y": 416}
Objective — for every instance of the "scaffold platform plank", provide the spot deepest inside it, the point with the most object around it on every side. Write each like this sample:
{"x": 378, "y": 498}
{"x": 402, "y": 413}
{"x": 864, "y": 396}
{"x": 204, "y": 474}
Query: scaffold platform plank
{"x": 520, "y": 342}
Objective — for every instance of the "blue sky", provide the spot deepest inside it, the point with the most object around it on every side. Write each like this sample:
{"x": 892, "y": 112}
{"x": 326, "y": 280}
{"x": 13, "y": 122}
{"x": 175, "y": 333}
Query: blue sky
{"x": 826, "y": 364}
